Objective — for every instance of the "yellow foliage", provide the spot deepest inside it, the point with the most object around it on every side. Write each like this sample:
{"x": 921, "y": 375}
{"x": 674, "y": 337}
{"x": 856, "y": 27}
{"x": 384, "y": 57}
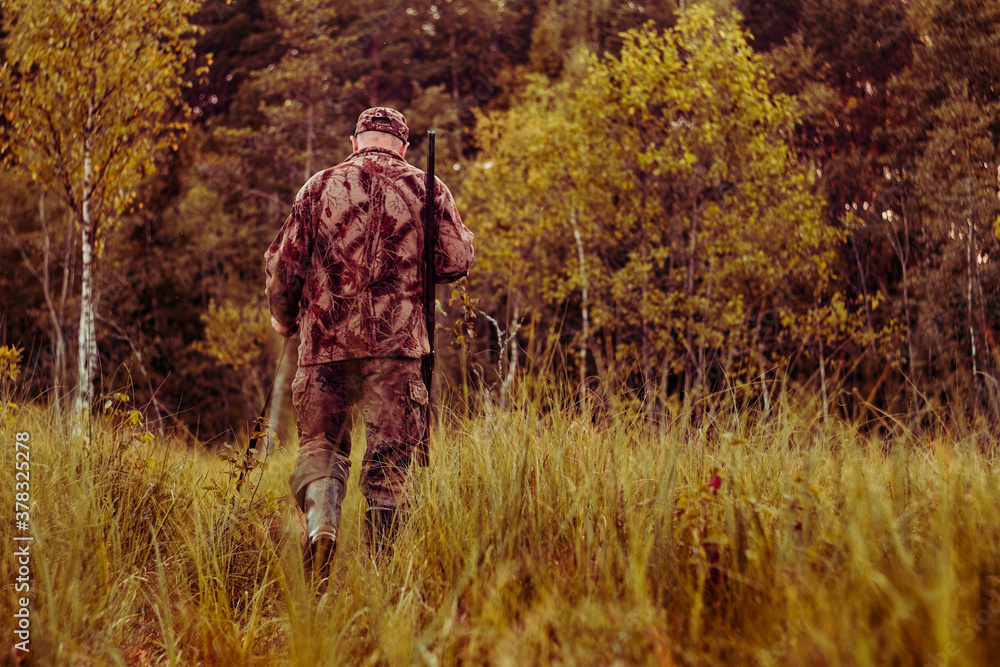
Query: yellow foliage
{"x": 10, "y": 362}
{"x": 235, "y": 335}
{"x": 662, "y": 181}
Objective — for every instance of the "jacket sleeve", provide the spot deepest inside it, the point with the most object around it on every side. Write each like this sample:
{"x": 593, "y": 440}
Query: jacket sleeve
{"x": 287, "y": 262}
{"x": 453, "y": 251}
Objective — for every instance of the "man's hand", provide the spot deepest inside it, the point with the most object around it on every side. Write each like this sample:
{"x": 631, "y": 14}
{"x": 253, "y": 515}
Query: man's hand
{"x": 282, "y": 330}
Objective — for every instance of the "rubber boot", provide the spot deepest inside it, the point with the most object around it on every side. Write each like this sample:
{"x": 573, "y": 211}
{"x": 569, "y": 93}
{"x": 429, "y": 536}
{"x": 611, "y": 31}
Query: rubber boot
{"x": 322, "y": 509}
{"x": 381, "y": 526}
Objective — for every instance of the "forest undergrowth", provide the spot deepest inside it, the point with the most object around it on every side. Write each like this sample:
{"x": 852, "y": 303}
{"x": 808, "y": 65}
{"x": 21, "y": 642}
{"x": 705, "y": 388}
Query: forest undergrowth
{"x": 537, "y": 537}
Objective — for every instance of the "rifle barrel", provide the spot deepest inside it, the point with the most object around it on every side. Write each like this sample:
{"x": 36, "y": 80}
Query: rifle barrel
{"x": 427, "y": 365}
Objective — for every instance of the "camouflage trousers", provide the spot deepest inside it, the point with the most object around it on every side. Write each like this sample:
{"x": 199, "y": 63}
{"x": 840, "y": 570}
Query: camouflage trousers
{"x": 391, "y": 398}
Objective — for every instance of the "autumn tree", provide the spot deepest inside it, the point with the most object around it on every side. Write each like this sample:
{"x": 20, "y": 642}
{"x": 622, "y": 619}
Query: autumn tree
{"x": 91, "y": 93}
{"x": 662, "y": 186}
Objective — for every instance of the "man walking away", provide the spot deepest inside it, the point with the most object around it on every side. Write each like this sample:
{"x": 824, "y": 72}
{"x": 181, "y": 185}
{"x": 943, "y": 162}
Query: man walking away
{"x": 346, "y": 271}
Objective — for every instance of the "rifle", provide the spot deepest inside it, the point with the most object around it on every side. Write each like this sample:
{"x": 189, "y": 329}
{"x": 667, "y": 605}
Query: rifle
{"x": 259, "y": 424}
{"x": 427, "y": 363}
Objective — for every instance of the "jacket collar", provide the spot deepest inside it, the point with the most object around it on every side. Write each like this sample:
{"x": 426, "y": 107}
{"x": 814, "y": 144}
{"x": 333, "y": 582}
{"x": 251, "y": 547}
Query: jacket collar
{"x": 376, "y": 149}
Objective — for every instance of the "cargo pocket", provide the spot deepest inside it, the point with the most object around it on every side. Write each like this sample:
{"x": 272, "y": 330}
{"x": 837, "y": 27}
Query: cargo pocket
{"x": 416, "y": 399}
{"x": 418, "y": 392}
{"x": 299, "y": 387}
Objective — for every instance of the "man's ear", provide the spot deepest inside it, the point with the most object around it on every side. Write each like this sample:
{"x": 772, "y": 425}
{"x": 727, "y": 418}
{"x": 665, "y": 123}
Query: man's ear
{"x": 354, "y": 143}
{"x": 402, "y": 151}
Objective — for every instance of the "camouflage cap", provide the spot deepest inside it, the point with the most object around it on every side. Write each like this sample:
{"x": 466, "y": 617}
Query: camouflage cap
{"x": 383, "y": 119}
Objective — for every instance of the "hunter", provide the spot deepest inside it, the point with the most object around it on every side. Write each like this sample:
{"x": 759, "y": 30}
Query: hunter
{"x": 346, "y": 273}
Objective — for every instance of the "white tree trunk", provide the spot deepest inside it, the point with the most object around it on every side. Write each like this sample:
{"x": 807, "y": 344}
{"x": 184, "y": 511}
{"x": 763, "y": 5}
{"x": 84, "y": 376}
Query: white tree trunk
{"x": 87, "y": 338}
{"x": 971, "y": 267}
{"x": 584, "y": 310}
{"x": 513, "y": 354}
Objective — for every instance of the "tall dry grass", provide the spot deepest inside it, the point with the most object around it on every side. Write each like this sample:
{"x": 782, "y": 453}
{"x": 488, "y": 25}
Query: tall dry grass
{"x": 537, "y": 537}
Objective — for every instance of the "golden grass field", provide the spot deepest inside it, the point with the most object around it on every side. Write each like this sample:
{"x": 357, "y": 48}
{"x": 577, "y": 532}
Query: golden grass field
{"x": 537, "y": 538}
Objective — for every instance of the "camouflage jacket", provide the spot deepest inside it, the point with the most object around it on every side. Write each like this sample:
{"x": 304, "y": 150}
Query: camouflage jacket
{"x": 347, "y": 265}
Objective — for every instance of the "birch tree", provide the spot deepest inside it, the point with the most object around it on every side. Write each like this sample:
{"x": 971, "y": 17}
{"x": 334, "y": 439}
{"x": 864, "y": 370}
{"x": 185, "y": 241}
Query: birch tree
{"x": 91, "y": 92}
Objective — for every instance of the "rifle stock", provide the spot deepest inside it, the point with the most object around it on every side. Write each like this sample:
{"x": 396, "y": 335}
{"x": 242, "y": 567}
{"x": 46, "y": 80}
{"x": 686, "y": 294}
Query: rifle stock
{"x": 427, "y": 364}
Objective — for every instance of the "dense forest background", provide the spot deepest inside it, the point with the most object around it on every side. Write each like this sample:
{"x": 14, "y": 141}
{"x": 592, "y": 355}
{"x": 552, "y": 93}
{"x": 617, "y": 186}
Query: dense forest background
{"x": 670, "y": 199}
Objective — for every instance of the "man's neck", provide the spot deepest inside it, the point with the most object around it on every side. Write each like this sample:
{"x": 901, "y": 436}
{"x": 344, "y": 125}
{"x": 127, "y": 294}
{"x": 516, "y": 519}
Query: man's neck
{"x": 377, "y": 149}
